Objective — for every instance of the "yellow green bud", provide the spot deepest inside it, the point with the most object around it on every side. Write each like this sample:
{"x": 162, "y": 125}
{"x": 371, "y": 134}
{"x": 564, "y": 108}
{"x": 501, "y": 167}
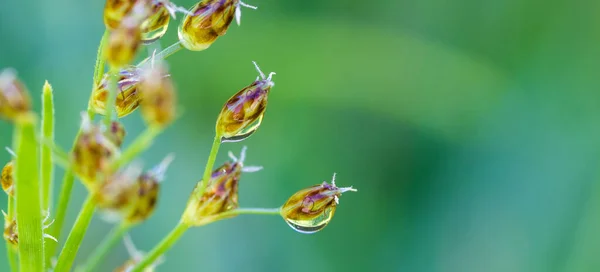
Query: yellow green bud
{"x": 220, "y": 195}
{"x": 128, "y": 96}
{"x": 123, "y": 44}
{"x": 14, "y": 97}
{"x": 147, "y": 192}
{"x": 10, "y": 231}
{"x": 242, "y": 114}
{"x": 93, "y": 153}
{"x": 118, "y": 192}
{"x": 6, "y": 179}
{"x": 208, "y": 20}
{"x": 159, "y": 99}
{"x": 311, "y": 209}
{"x": 115, "y": 11}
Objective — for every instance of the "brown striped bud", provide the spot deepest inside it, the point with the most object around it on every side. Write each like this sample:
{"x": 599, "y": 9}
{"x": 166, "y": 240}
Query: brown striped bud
{"x": 243, "y": 113}
{"x": 115, "y": 11}
{"x": 116, "y": 133}
{"x": 147, "y": 192}
{"x": 10, "y": 231}
{"x": 6, "y": 179}
{"x": 14, "y": 97}
{"x": 159, "y": 98}
{"x": 117, "y": 193}
{"x": 93, "y": 153}
{"x": 221, "y": 193}
{"x": 311, "y": 209}
{"x": 128, "y": 96}
{"x": 208, "y": 20}
{"x": 124, "y": 41}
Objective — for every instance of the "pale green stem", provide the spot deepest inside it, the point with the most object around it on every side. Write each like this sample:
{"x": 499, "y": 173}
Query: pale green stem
{"x": 69, "y": 251}
{"x": 107, "y": 244}
{"x": 181, "y": 227}
{"x": 28, "y": 193}
{"x": 10, "y": 249}
{"x": 141, "y": 143}
{"x": 111, "y": 100}
{"x": 214, "y": 150}
{"x": 172, "y": 49}
{"x": 162, "y": 247}
{"x": 47, "y": 166}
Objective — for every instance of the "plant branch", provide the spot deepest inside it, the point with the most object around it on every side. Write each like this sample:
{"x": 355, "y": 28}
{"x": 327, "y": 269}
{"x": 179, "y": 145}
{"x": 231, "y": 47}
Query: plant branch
{"x": 140, "y": 144}
{"x": 108, "y": 242}
{"x": 214, "y": 150}
{"x": 162, "y": 247}
{"x": 172, "y": 49}
{"x": 69, "y": 251}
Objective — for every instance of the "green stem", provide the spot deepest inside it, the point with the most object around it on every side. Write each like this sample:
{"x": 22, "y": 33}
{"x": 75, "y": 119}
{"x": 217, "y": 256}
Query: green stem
{"x": 214, "y": 150}
{"x": 162, "y": 247}
{"x": 100, "y": 59}
{"x": 28, "y": 193}
{"x": 47, "y": 167}
{"x": 172, "y": 49}
{"x": 141, "y": 143}
{"x": 10, "y": 249}
{"x": 108, "y": 242}
{"x": 258, "y": 211}
{"x": 111, "y": 100}
{"x": 69, "y": 251}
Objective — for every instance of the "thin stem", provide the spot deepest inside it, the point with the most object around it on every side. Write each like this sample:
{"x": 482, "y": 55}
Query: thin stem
{"x": 258, "y": 211}
{"x": 111, "y": 100}
{"x": 28, "y": 194}
{"x": 69, "y": 251}
{"x": 172, "y": 49}
{"x": 100, "y": 59}
{"x": 108, "y": 242}
{"x": 47, "y": 166}
{"x": 141, "y": 143}
{"x": 214, "y": 150}
{"x": 10, "y": 249}
{"x": 162, "y": 247}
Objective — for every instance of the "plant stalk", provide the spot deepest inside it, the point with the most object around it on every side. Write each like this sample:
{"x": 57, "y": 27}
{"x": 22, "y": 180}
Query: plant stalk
{"x": 162, "y": 247}
{"x": 141, "y": 143}
{"x": 214, "y": 150}
{"x": 69, "y": 251}
{"x": 108, "y": 242}
{"x": 47, "y": 167}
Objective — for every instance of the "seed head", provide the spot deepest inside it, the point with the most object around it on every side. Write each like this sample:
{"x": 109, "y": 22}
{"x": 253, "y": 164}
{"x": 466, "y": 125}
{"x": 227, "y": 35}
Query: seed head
{"x": 6, "y": 179}
{"x": 93, "y": 152}
{"x": 311, "y": 209}
{"x": 116, "y": 133}
{"x": 221, "y": 193}
{"x": 159, "y": 99}
{"x": 10, "y": 230}
{"x": 208, "y": 20}
{"x": 128, "y": 97}
{"x": 243, "y": 113}
{"x": 14, "y": 97}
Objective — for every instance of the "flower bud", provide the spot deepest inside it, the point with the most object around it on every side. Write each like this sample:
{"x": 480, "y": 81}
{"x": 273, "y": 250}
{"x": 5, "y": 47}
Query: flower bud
{"x": 115, "y": 11}
{"x": 14, "y": 97}
{"x": 118, "y": 192}
{"x": 116, "y": 133}
{"x": 159, "y": 100}
{"x": 128, "y": 97}
{"x": 124, "y": 41}
{"x": 10, "y": 230}
{"x": 157, "y": 23}
{"x": 242, "y": 114}
{"x": 221, "y": 193}
{"x": 208, "y": 20}
{"x": 93, "y": 152}
{"x": 147, "y": 192}
{"x": 311, "y": 209}
{"x": 6, "y": 179}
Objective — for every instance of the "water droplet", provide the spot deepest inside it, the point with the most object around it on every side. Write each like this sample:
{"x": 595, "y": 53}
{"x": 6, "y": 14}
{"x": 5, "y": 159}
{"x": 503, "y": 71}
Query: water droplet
{"x": 308, "y": 224}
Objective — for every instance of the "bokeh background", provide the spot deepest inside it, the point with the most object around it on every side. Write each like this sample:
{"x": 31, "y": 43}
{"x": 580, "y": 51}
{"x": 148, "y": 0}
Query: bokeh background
{"x": 471, "y": 129}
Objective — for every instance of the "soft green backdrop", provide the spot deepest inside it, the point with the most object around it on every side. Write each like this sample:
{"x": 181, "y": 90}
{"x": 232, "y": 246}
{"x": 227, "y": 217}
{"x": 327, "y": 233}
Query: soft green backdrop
{"x": 471, "y": 129}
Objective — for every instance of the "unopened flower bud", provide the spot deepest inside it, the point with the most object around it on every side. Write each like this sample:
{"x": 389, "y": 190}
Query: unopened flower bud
{"x": 115, "y": 11}
{"x": 208, "y": 20}
{"x": 311, "y": 209}
{"x": 128, "y": 96}
{"x": 124, "y": 41}
{"x": 118, "y": 192}
{"x": 10, "y": 230}
{"x": 221, "y": 193}
{"x": 159, "y": 98}
{"x": 157, "y": 23}
{"x": 93, "y": 152}
{"x": 14, "y": 97}
{"x": 147, "y": 192}
{"x": 242, "y": 114}
{"x": 6, "y": 179}
{"x": 116, "y": 133}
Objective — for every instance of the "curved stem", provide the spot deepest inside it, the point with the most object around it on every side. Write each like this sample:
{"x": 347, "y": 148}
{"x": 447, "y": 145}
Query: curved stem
{"x": 141, "y": 143}
{"x": 172, "y": 49}
{"x": 162, "y": 247}
{"x": 108, "y": 242}
{"x": 214, "y": 150}
{"x": 69, "y": 251}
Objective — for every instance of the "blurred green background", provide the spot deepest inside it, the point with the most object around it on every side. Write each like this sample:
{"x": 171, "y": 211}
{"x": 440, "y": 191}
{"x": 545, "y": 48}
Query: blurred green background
{"x": 471, "y": 129}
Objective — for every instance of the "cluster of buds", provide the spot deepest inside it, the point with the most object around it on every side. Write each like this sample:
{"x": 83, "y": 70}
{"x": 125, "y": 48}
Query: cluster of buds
{"x": 311, "y": 209}
{"x": 221, "y": 193}
{"x": 128, "y": 98}
{"x": 6, "y": 179}
{"x": 10, "y": 230}
{"x": 93, "y": 152}
{"x": 131, "y": 195}
{"x": 14, "y": 97}
{"x": 242, "y": 114}
{"x": 208, "y": 20}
